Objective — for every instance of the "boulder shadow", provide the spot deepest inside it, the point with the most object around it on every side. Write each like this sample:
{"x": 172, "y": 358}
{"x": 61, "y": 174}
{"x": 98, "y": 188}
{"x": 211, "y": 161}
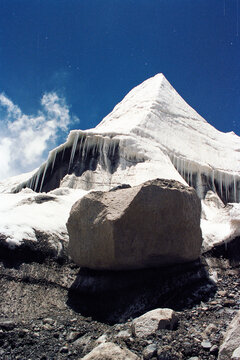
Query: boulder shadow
{"x": 115, "y": 296}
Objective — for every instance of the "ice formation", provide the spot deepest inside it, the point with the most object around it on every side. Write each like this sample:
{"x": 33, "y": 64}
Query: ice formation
{"x": 151, "y": 133}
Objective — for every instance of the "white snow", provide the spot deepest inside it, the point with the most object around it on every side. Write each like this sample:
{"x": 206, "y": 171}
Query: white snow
{"x": 21, "y": 214}
{"x": 220, "y": 223}
{"x": 156, "y": 134}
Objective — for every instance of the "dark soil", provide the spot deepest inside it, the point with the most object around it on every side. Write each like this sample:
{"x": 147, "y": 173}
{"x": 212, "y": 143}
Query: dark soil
{"x": 51, "y": 309}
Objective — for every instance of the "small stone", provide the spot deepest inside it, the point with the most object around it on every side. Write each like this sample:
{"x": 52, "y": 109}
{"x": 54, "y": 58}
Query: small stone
{"x": 222, "y": 293}
{"x": 210, "y": 329}
{"x": 73, "y": 320}
{"x": 64, "y": 349}
{"x": 229, "y": 302}
{"x": 154, "y": 320}
{"x": 47, "y": 327}
{"x": 124, "y": 334}
{"x": 35, "y": 334}
{"x": 149, "y": 351}
{"x": 74, "y": 335}
{"x": 110, "y": 351}
{"x": 206, "y": 345}
{"x": 102, "y": 339}
{"x": 194, "y": 358}
{"x": 214, "y": 349}
{"x": 214, "y": 302}
{"x": 48, "y": 321}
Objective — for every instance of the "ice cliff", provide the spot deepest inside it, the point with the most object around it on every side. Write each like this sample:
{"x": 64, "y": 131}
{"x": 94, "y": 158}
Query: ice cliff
{"x": 151, "y": 133}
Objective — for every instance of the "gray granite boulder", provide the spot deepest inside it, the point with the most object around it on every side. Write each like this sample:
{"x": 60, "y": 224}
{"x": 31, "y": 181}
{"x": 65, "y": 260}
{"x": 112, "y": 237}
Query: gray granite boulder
{"x": 153, "y": 224}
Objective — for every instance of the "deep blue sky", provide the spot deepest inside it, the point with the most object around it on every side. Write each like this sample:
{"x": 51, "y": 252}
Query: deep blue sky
{"x": 92, "y": 52}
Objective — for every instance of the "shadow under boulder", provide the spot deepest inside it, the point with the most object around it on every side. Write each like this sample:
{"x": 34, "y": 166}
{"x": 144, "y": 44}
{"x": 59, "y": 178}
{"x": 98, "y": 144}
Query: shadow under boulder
{"x": 115, "y": 296}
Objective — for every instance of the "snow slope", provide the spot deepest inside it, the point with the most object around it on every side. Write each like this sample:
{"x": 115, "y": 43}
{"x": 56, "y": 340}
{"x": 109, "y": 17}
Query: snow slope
{"x": 151, "y": 133}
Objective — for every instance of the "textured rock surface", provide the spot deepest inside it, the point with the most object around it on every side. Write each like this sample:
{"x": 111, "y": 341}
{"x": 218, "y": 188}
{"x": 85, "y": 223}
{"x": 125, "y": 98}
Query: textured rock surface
{"x": 155, "y": 223}
{"x": 109, "y": 351}
{"x": 236, "y": 354}
{"x": 154, "y": 320}
{"x": 231, "y": 340}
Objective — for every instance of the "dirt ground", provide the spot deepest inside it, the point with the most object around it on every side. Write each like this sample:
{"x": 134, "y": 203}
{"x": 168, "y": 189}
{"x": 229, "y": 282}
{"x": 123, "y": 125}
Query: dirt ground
{"x": 52, "y": 309}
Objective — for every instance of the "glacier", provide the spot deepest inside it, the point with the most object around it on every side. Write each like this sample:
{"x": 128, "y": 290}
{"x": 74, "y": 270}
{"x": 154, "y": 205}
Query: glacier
{"x": 152, "y": 133}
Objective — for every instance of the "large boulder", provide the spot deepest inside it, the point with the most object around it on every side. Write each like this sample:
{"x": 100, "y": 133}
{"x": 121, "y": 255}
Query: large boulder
{"x": 153, "y": 224}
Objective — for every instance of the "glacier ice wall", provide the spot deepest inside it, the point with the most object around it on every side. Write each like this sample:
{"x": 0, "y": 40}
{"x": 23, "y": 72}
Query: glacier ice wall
{"x": 152, "y": 133}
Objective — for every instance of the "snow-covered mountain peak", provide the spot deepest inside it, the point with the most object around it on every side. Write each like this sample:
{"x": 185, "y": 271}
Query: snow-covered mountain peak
{"x": 153, "y": 95}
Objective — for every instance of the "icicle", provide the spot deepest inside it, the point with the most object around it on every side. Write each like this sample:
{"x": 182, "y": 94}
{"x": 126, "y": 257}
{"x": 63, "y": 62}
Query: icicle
{"x": 31, "y": 182}
{"x": 188, "y": 173}
{"x": 54, "y": 158}
{"x": 83, "y": 148}
{"x": 234, "y": 188}
{"x": 177, "y": 164}
{"x": 37, "y": 180}
{"x": 88, "y": 143}
{"x": 80, "y": 147}
{"x": 226, "y": 187}
{"x": 43, "y": 176}
{"x": 63, "y": 152}
{"x": 105, "y": 152}
{"x": 220, "y": 184}
{"x": 74, "y": 146}
{"x": 213, "y": 181}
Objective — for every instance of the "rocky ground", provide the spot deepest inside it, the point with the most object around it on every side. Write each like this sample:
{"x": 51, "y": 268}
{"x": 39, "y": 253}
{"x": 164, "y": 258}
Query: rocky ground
{"x": 42, "y": 315}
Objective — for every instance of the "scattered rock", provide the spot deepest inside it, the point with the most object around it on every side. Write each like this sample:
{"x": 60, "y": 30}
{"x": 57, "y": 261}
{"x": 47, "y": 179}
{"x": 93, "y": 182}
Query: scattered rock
{"x": 206, "y": 345}
{"x": 48, "y": 321}
{"x": 236, "y": 354}
{"x": 124, "y": 334}
{"x": 109, "y": 351}
{"x": 83, "y": 341}
{"x": 73, "y": 335}
{"x": 210, "y": 330}
{"x": 149, "y": 351}
{"x": 119, "y": 223}
{"x": 166, "y": 353}
{"x": 231, "y": 339}
{"x": 64, "y": 349}
{"x": 152, "y": 321}
{"x": 214, "y": 349}
{"x": 102, "y": 339}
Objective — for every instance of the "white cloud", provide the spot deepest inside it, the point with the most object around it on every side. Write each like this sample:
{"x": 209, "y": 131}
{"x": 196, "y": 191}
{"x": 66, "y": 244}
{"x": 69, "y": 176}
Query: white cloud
{"x": 25, "y": 139}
